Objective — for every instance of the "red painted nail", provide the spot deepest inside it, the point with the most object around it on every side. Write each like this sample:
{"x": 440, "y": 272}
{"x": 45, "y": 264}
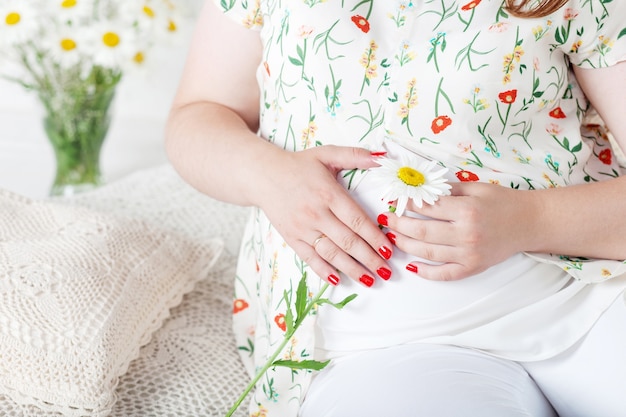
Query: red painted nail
{"x": 333, "y": 279}
{"x": 385, "y": 252}
{"x": 384, "y": 273}
{"x": 391, "y": 237}
{"x": 380, "y": 153}
{"x": 382, "y": 219}
{"x": 367, "y": 280}
{"x": 412, "y": 268}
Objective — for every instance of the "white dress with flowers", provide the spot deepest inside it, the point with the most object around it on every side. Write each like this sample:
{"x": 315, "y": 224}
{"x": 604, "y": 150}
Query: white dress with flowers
{"x": 487, "y": 95}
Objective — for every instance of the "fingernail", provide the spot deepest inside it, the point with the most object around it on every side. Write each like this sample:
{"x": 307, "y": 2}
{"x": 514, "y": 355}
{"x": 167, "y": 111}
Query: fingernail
{"x": 382, "y": 219}
{"x": 385, "y": 252}
{"x": 412, "y": 268}
{"x": 391, "y": 237}
{"x": 379, "y": 153}
{"x": 333, "y": 279}
{"x": 384, "y": 273}
{"x": 367, "y": 280}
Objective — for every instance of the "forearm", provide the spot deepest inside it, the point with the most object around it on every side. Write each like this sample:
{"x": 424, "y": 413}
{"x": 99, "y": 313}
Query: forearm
{"x": 583, "y": 220}
{"x": 214, "y": 150}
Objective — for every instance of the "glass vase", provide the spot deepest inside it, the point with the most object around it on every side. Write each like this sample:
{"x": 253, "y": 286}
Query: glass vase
{"x": 76, "y": 122}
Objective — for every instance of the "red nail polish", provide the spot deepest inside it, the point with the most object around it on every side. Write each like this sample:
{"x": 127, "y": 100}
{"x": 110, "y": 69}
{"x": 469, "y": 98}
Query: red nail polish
{"x": 367, "y": 280}
{"x": 384, "y": 273}
{"x": 333, "y": 279}
{"x": 385, "y": 252}
{"x": 381, "y": 153}
{"x": 412, "y": 268}
{"x": 391, "y": 237}
{"x": 382, "y": 219}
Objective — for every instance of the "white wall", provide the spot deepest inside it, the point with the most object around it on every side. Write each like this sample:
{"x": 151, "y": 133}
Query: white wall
{"x": 135, "y": 139}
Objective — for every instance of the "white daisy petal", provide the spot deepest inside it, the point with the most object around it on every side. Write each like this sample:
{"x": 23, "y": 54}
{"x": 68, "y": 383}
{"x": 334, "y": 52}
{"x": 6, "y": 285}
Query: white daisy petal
{"x": 410, "y": 178}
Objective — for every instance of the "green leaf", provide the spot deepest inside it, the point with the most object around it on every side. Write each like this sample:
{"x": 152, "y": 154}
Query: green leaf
{"x": 296, "y": 61}
{"x": 307, "y": 364}
{"x": 301, "y": 298}
{"x": 622, "y": 33}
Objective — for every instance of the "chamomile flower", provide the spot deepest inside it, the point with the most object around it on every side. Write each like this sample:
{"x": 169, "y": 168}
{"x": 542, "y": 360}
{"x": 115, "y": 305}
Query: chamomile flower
{"x": 410, "y": 178}
{"x": 73, "y": 11}
{"x": 65, "y": 47}
{"x": 111, "y": 44}
{"x": 18, "y": 22}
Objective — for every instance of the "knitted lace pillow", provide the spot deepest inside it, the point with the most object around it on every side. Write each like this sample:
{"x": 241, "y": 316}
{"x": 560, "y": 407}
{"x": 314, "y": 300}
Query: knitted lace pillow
{"x": 80, "y": 292}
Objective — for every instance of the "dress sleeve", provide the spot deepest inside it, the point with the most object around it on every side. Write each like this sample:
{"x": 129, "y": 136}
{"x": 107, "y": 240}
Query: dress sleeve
{"x": 593, "y": 33}
{"x": 245, "y": 12}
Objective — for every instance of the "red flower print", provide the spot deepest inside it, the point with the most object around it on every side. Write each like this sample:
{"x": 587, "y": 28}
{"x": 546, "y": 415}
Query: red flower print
{"x": 471, "y": 5}
{"x": 508, "y": 97}
{"x": 466, "y": 176}
{"x": 557, "y": 113}
{"x": 606, "y": 157}
{"x": 280, "y": 321}
{"x": 361, "y": 23}
{"x": 239, "y": 305}
{"x": 267, "y": 68}
{"x": 440, "y": 123}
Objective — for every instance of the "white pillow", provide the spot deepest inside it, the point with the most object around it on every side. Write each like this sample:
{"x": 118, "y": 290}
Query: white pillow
{"x": 80, "y": 292}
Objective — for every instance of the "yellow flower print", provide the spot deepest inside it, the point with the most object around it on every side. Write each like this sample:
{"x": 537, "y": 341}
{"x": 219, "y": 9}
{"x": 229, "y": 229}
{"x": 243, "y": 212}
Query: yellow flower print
{"x": 509, "y": 62}
{"x": 367, "y": 61}
{"x": 261, "y": 412}
{"x": 254, "y": 18}
{"x": 605, "y": 273}
{"x": 275, "y": 267}
{"x": 411, "y": 101}
{"x": 308, "y": 134}
{"x": 576, "y": 46}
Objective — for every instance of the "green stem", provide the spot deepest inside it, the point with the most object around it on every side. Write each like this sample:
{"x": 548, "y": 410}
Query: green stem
{"x": 278, "y": 351}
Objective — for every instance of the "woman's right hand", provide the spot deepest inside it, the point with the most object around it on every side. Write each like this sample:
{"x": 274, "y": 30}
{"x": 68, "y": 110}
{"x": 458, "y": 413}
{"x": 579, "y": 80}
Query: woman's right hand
{"x": 304, "y": 201}
{"x": 211, "y": 131}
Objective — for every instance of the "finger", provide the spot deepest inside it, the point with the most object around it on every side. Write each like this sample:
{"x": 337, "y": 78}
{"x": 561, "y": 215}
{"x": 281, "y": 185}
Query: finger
{"x": 351, "y": 254}
{"x": 338, "y": 158}
{"x": 444, "y": 272}
{"x": 340, "y": 259}
{"x": 422, "y": 230}
{"x": 359, "y": 236}
{"x": 322, "y": 268}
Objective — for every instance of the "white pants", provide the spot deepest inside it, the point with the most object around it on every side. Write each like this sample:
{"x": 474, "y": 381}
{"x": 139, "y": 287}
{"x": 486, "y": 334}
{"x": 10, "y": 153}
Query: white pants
{"x": 420, "y": 380}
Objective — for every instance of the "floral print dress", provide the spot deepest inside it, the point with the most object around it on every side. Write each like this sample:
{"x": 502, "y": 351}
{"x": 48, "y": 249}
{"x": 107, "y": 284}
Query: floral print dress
{"x": 487, "y": 95}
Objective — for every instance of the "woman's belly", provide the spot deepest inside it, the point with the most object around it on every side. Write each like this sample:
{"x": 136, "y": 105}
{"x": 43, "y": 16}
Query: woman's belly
{"x": 407, "y": 307}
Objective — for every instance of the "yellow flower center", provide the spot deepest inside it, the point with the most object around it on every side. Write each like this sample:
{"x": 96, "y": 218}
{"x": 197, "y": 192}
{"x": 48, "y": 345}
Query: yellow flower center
{"x": 68, "y": 4}
{"x": 139, "y": 58}
{"x": 68, "y": 44}
{"x": 411, "y": 176}
{"x": 172, "y": 26}
{"x": 13, "y": 18}
{"x": 111, "y": 39}
{"x": 148, "y": 11}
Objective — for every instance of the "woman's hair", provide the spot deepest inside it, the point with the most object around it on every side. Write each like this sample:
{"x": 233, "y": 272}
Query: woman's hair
{"x": 523, "y": 8}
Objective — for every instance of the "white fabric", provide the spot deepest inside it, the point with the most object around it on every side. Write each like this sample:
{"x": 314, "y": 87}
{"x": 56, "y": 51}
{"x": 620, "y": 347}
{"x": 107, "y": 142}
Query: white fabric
{"x": 190, "y": 367}
{"x": 443, "y": 380}
{"x": 476, "y": 312}
{"x": 589, "y": 379}
{"x": 424, "y": 380}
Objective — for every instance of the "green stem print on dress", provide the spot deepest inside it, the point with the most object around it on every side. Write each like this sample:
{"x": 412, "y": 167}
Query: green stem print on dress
{"x": 293, "y": 319}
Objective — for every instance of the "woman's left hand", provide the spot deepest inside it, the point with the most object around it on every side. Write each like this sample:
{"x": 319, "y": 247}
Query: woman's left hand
{"x": 475, "y": 227}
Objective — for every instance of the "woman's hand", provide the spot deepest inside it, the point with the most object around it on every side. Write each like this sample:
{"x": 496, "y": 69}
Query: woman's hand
{"x": 476, "y": 227}
{"x": 317, "y": 217}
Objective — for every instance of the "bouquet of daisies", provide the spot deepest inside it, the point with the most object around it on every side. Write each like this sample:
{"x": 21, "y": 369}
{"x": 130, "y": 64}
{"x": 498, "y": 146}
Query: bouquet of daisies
{"x": 72, "y": 54}
{"x": 64, "y": 44}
